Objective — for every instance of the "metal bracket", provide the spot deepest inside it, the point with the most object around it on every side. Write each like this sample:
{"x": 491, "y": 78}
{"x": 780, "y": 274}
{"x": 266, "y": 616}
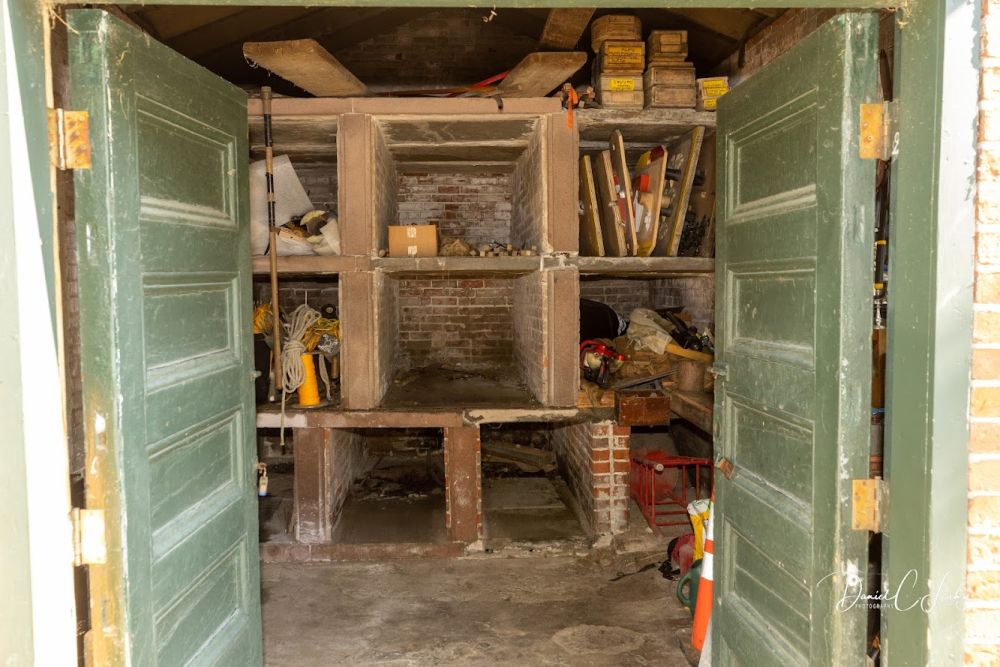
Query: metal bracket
{"x": 69, "y": 139}
{"x": 879, "y": 136}
{"x": 90, "y": 546}
{"x": 870, "y": 506}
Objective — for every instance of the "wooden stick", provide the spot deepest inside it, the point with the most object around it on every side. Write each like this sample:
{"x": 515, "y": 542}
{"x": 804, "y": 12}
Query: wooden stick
{"x": 272, "y": 231}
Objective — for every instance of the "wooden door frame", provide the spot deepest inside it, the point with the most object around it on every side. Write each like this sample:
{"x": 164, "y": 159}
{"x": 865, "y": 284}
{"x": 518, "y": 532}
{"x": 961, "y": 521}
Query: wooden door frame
{"x": 933, "y": 222}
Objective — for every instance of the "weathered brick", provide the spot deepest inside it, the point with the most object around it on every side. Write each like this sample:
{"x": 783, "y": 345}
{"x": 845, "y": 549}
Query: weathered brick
{"x": 984, "y": 475}
{"x": 986, "y": 326}
{"x": 984, "y": 511}
{"x": 983, "y": 584}
{"x": 985, "y": 402}
{"x": 984, "y": 436}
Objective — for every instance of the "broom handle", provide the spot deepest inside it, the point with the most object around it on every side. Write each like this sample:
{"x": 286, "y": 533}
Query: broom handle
{"x": 272, "y": 231}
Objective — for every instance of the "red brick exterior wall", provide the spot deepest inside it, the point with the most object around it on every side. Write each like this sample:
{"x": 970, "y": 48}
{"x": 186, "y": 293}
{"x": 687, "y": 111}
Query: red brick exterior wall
{"x": 594, "y": 460}
{"x": 982, "y": 615}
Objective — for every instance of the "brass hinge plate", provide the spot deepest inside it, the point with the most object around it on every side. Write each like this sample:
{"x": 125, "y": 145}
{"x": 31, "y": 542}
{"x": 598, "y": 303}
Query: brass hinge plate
{"x": 89, "y": 543}
{"x": 879, "y": 139}
{"x": 69, "y": 139}
{"x": 869, "y": 509}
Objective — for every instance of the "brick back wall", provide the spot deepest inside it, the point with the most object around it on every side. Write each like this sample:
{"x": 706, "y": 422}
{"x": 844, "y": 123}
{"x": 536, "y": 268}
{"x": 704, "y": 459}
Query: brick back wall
{"x": 463, "y": 324}
{"x": 528, "y": 217}
{"x": 594, "y": 461}
{"x": 696, "y": 294}
{"x": 982, "y": 607}
{"x": 473, "y": 207}
{"x": 292, "y": 294}
{"x": 320, "y": 182}
{"x": 529, "y": 308}
{"x": 622, "y": 295}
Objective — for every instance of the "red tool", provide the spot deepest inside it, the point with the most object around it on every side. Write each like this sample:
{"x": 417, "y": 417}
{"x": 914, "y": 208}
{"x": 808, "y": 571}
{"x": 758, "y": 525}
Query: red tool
{"x": 599, "y": 361}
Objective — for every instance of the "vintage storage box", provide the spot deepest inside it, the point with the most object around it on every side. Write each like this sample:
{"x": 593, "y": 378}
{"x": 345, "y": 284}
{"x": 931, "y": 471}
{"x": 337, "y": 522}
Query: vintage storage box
{"x": 614, "y": 26}
{"x": 413, "y": 241}
{"x": 670, "y": 97}
{"x": 710, "y": 90}
{"x": 667, "y": 45}
{"x": 681, "y": 74}
{"x": 620, "y": 99}
{"x": 621, "y": 57}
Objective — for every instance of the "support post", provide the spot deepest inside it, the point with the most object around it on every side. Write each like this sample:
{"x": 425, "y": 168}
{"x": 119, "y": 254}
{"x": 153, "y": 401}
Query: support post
{"x": 463, "y": 484}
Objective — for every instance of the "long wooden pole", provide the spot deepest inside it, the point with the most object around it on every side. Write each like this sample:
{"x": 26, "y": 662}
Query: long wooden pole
{"x": 272, "y": 230}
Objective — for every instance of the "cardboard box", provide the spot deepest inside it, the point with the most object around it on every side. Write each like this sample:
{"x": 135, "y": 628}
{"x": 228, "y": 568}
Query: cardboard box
{"x": 621, "y": 57}
{"x": 413, "y": 241}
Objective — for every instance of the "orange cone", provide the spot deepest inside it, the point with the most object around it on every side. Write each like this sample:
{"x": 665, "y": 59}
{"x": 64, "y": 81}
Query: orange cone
{"x": 703, "y": 605}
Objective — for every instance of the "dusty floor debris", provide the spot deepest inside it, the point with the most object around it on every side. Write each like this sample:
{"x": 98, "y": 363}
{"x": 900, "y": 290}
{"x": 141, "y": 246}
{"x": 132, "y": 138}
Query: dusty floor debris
{"x": 471, "y": 611}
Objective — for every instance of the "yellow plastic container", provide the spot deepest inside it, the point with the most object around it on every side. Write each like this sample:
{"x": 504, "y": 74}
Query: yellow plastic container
{"x": 309, "y": 391}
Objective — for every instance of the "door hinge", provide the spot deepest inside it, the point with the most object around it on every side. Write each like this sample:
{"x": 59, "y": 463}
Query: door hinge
{"x": 69, "y": 139}
{"x": 870, "y": 507}
{"x": 879, "y": 138}
{"x": 90, "y": 546}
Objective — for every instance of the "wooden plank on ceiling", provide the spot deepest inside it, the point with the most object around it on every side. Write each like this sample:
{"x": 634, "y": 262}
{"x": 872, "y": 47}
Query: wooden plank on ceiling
{"x": 538, "y": 74}
{"x": 564, "y": 27}
{"x": 306, "y": 64}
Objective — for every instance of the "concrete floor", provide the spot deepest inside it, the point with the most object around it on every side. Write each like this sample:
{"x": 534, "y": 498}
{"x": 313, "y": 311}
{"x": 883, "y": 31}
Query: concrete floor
{"x": 438, "y": 388}
{"x": 487, "y": 610}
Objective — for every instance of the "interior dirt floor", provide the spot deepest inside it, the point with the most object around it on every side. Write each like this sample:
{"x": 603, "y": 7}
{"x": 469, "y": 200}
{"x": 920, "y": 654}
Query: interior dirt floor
{"x": 435, "y": 387}
{"x": 483, "y": 610}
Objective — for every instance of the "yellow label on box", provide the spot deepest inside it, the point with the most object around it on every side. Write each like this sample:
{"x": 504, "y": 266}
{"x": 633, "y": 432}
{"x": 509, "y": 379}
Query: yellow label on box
{"x": 621, "y": 84}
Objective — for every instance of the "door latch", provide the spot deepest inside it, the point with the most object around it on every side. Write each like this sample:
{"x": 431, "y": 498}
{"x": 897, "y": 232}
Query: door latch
{"x": 879, "y": 138}
{"x": 90, "y": 546}
{"x": 870, "y": 505}
{"x": 720, "y": 371}
{"x": 69, "y": 139}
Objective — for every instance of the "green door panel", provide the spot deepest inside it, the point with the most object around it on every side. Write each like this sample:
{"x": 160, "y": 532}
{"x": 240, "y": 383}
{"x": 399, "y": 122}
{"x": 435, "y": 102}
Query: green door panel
{"x": 165, "y": 311}
{"x": 794, "y": 240}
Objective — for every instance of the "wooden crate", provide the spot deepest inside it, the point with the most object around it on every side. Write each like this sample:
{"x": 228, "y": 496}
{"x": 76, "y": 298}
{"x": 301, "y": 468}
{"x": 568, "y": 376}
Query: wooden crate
{"x": 674, "y": 75}
{"x": 621, "y": 57}
{"x": 642, "y": 407}
{"x": 667, "y": 44}
{"x": 670, "y": 97}
{"x": 614, "y": 26}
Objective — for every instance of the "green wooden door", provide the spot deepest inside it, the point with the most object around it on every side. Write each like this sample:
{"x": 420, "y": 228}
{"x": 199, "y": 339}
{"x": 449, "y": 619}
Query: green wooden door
{"x": 163, "y": 244}
{"x": 793, "y": 290}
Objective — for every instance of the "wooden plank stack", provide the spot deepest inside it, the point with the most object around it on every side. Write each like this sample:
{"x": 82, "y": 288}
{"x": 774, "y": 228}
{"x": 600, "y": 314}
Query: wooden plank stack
{"x": 617, "y": 41}
{"x": 669, "y": 81}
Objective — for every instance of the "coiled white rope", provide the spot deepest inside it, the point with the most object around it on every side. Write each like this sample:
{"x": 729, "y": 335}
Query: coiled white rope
{"x": 292, "y": 370}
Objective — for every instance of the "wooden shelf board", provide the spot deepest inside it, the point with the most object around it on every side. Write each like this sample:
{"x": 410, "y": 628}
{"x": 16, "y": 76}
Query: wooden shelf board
{"x": 645, "y": 126}
{"x": 466, "y": 265}
{"x": 316, "y": 265}
{"x": 645, "y": 266}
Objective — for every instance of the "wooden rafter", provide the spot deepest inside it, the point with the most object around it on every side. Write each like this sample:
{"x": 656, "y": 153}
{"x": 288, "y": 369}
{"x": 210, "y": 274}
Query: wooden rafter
{"x": 564, "y": 28}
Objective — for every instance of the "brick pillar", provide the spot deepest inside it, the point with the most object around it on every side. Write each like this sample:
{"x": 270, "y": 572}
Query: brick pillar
{"x": 982, "y": 615}
{"x": 609, "y": 467}
{"x": 313, "y": 520}
{"x": 463, "y": 484}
